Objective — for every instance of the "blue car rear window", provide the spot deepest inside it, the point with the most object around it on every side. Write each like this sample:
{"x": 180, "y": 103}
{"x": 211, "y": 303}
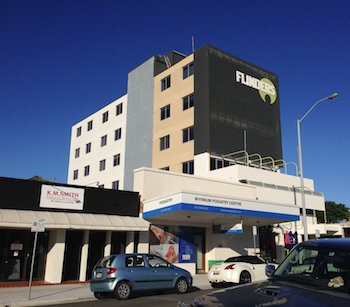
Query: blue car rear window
{"x": 105, "y": 262}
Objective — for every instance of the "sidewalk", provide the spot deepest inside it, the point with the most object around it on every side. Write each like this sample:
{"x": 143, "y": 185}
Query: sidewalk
{"x": 63, "y": 293}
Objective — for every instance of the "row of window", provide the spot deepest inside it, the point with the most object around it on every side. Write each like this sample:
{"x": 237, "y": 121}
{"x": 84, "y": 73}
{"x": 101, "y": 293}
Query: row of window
{"x": 187, "y": 167}
{"x": 187, "y": 135}
{"x": 187, "y": 102}
{"x": 187, "y": 71}
{"x": 119, "y": 110}
{"x": 117, "y": 136}
{"x": 102, "y": 166}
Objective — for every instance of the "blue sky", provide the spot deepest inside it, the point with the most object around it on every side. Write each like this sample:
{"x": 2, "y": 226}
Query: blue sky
{"x": 61, "y": 61}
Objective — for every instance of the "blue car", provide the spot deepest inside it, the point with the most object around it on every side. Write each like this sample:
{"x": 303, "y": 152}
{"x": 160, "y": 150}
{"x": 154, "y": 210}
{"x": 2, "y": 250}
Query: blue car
{"x": 315, "y": 273}
{"x": 125, "y": 273}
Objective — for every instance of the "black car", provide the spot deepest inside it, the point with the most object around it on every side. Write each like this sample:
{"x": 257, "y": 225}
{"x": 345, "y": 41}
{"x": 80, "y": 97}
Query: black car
{"x": 315, "y": 273}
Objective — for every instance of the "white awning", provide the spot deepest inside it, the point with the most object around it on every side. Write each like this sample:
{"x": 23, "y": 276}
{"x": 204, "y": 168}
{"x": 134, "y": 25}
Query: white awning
{"x": 66, "y": 220}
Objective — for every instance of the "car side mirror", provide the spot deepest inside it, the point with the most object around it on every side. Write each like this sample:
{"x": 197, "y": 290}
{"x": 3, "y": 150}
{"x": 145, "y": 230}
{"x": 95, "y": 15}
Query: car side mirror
{"x": 269, "y": 269}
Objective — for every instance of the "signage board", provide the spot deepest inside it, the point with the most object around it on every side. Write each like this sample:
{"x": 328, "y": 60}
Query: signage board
{"x": 228, "y": 229}
{"x": 60, "y": 197}
{"x": 38, "y": 225}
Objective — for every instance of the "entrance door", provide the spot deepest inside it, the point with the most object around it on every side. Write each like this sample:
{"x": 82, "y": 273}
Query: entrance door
{"x": 74, "y": 242}
{"x": 199, "y": 249}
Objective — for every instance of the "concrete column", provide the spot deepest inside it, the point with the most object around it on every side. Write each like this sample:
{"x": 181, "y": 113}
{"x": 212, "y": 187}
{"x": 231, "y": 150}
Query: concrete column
{"x": 129, "y": 248}
{"x": 84, "y": 256}
{"x": 108, "y": 246}
{"x": 143, "y": 246}
{"x": 55, "y": 256}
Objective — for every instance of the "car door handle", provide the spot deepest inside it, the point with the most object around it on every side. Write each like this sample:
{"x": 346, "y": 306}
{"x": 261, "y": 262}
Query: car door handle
{"x": 155, "y": 271}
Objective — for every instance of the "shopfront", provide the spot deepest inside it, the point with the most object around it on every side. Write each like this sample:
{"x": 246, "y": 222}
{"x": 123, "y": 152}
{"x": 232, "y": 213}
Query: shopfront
{"x": 81, "y": 226}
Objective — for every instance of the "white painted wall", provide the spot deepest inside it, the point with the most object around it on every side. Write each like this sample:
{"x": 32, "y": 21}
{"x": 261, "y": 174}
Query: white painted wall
{"x": 98, "y": 153}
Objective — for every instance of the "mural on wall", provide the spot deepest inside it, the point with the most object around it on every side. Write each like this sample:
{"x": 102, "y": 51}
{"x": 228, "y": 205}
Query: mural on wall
{"x": 164, "y": 242}
{"x": 173, "y": 243}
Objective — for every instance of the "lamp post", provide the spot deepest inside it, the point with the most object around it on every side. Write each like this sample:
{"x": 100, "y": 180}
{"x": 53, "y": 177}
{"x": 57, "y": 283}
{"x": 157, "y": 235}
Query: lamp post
{"x": 333, "y": 96}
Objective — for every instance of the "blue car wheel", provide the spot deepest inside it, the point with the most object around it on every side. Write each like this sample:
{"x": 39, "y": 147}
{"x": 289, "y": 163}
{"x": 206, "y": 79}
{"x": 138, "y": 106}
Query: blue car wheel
{"x": 181, "y": 285}
{"x": 122, "y": 290}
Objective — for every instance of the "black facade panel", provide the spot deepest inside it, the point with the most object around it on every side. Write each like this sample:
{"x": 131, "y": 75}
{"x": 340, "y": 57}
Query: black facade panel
{"x": 233, "y": 96}
{"x": 25, "y": 195}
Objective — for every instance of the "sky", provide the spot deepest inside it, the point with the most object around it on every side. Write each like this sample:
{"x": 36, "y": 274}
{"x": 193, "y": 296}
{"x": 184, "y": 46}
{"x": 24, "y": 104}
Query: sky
{"x": 62, "y": 60}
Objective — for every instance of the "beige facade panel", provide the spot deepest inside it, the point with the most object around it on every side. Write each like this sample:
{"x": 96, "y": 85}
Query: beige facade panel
{"x": 179, "y": 119}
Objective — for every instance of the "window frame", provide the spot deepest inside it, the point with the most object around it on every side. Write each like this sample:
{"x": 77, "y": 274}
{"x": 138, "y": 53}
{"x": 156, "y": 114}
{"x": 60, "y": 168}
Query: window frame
{"x": 165, "y": 112}
{"x": 187, "y": 70}
{"x": 105, "y": 117}
{"x": 86, "y": 170}
{"x": 89, "y": 125}
{"x": 117, "y": 134}
{"x": 77, "y": 152}
{"x": 115, "y": 185}
{"x": 119, "y": 109}
{"x": 189, "y": 165}
{"x": 188, "y": 134}
{"x": 164, "y": 142}
{"x": 102, "y": 165}
{"x": 116, "y": 160}
{"x": 79, "y": 131}
{"x": 88, "y": 148}
{"x": 104, "y": 140}
{"x": 188, "y": 102}
{"x": 165, "y": 83}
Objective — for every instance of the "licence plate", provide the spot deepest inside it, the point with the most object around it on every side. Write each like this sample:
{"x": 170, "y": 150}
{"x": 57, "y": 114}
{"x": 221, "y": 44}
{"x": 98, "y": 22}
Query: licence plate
{"x": 216, "y": 273}
{"x": 98, "y": 275}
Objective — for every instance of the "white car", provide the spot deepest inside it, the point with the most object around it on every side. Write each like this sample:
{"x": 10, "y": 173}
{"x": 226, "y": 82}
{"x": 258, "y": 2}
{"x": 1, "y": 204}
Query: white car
{"x": 240, "y": 270}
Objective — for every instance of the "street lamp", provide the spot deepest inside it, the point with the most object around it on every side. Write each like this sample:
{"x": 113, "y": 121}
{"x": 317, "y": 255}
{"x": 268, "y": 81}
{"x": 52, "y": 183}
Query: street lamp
{"x": 333, "y": 96}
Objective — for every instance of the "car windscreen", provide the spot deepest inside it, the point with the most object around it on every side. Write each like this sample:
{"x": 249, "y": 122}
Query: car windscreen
{"x": 326, "y": 268}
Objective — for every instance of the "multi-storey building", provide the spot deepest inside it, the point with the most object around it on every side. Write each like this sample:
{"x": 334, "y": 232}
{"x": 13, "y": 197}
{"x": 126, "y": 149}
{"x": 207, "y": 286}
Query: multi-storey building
{"x": 201, "y": 143}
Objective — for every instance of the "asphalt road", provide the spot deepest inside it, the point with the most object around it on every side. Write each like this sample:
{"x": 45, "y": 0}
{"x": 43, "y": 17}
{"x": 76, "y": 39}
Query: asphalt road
{"x": 142, "y": 299}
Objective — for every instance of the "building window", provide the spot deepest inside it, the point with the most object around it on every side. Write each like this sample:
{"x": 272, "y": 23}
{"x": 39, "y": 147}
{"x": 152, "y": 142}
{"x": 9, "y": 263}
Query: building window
{"x": 75, "y": 174}
{"x": 116, "y": 160}
{"x": 165, "y": 83}
{"x": 115, "y": 185}
{"x": 79, "y": 131}
{"x": 102, "y": 165}
{"x": 118, "y": 134}
{"x": 104, "y": 117}
{"x": 188, "y": 102}
{"x": 89, "y": 126}
{"x": 188, "y": 167}
{"x": 188, "y": 70}
{"x": 88, "y": 147}
{"x": 77, "y": 153}
{"x": 164, "y": 142}
{"x": 104, "y": 140}
{"x": 165, "y": 112}
{"x": 87, "y": 170}
{"x": 187, "y": 134}
{"x": 165, "y": 168}
{"x": 119, "y": 109}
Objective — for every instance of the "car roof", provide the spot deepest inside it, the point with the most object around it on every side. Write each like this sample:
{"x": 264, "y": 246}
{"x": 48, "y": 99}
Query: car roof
{"x": 343, "y": 243}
